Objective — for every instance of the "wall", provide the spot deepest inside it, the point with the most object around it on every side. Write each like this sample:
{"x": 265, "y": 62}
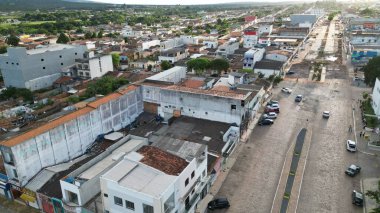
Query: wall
{"x": 201, "y": 106}
{"x": 71, "y": 139}
{"x": 265, "y": 29}
{"x": 211, "y": 44}
{"x": 27, "y": 71}
{"x": 276, "y": 57}
{"x": 376, "y": 97}
{"x": 365, "y": 40}
{"x": 249, "y": 41}
{"x": 267, "y": 72}
{"x": 147, "y": 44}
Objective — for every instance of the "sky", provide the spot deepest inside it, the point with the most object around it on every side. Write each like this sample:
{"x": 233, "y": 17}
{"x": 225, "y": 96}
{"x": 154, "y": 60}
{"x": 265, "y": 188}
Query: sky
{"x": 184, "y": 2}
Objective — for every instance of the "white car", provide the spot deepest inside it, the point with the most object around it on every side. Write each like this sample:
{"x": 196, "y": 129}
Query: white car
{"x": 286, "y": 90}
{"x": 326, "y": 114}
{"x": 351, "y": 146}
{"x": 270, "y": 115}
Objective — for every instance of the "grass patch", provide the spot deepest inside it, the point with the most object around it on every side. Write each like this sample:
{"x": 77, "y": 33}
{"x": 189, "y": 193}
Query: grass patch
{"x": 367, "y": 109}
{"x": 16, "y": 207}
{"x": 286, "y": 195}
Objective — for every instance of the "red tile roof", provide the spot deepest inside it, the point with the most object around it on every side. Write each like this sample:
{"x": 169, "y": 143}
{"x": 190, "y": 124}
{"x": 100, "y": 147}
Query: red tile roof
{"x": 162, "y": 160}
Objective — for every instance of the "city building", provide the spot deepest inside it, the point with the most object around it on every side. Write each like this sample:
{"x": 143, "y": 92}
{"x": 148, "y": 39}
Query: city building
{"x": 146, "y": 44}
{"x": 265, "y": 29}
{"x": 250, "y": 37}
{"x": 363, "y": 24}
{"x": 173, "y": 55}
{"x": 227, "y": 48}
{"x": 365, "y": 38}
{"x": 154, "y": 180}
{"x": 301, "y": 19}
{"x": 93, "y": 66}
{"x": 269, "y": 67}
{"x": 67, "y": 135}
{"x": 37, "y": 68}
{"x": 376, "y": 97}
{"x": 252, "y": 56}
{"x": 278, "y": 55}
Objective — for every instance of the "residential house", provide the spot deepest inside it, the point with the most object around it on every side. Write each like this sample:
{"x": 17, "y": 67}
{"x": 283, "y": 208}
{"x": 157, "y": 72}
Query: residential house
{"x": 269, "y": 67}
{"x": 252, "y": 56}
{"x": 93, "y": 66}
{"x": 173, "y": 55}
{"x": 250, "y": 37}
{"x": 227, "y": 48}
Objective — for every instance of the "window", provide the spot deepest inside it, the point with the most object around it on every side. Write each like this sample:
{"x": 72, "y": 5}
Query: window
{"x": 129, "y": 205}
{"x": 43, "y": 68}
{"x": 192, "y": 191}
{"x": 60, "y": 56}
{"x": 15, "y": 173}
{"x": 87, "y": 74}
{"x": 17, "y": 64}
{"x": 73, "y": 197}
{"x": 147, "y": 208}
{"x": 62, "y": 64}
{"x": 42, "y": 59}
{"x": 6, "y": 62}
{"x": 169, "y": 204}
{"x": 105, "y": 195}
{"x": 233, "y": 106}
{"x": 204, "y": 173}
{"x": 192, "y": 174}
{"x": 186, "y": 181}
{"x": 76, "y": 53}
{"x": 118, "y": 201}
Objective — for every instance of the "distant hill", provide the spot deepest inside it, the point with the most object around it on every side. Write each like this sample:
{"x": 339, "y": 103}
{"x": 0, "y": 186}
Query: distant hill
{"x": 15, "y": 5}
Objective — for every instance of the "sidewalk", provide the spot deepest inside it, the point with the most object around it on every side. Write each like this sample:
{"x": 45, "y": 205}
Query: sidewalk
{"x": 369, "y": 184}
{"x": 214, "y": 189}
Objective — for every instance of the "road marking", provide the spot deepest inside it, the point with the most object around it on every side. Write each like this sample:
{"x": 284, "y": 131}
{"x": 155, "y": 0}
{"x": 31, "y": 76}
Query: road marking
{"x": 303, "y": 172}
{"x": 279, "y": 180}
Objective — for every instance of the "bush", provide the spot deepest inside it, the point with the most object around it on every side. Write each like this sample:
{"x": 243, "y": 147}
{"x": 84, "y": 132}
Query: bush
{"x": 367, "y": 109}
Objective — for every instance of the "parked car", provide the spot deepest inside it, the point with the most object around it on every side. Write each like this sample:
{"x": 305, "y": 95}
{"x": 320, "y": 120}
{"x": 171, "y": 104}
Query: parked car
{"x": 352, "y": 170}
{"x": 272, "y": 109}
{"x": 270, "y": 115}
{"x": 298, "y": 98}
{"x": 286, "y": 90}
{"x": 326, "y": 114}
{"x": 272, "y": 102}
{"x": 266, "y": 122}
{"x": 219, "y": 203}
{"x": 357, "y": 198}
{"x": 351, "y": 146}
{"x": 290, "y": 73}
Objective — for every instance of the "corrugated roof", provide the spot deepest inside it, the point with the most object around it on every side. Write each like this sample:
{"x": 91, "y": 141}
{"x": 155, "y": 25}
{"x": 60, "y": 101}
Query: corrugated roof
{"x": 46, "y": 127}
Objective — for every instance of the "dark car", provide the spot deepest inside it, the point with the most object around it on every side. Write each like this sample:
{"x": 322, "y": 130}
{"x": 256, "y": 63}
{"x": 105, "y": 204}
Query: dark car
{"x": 352, "y": 170}
{"x": 290, "y": 73}
{"x": 266, "y": 122}
{"x": 298, "y": 98}
{"x": 357, "y": 198}
{"x": 272, "y": 109}
{"x": 219, "y": 203}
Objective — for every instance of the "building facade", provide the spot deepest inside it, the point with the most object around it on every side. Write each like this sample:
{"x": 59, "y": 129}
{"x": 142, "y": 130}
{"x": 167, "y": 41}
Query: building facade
{"x": 38, "y": 68}
{"x": 93, "y": 66}
{"x": 252, "y": 56}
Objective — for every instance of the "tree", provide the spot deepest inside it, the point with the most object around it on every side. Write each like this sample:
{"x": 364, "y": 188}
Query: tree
{"x": 150, "y": 67}
{"x": 219, "y": 65}
{"x": 88, "y": 35}
{"x": 100, "y": 34}
{"x": 126, "y": 39}
{"x": 3, "y": 49}
{"x": 94, "y": 35}
{"x": 198, "y": 64}
{"x": 13, "y": 40}
{"x": 63, "y": 39}
{"x": 372, "y": 71}
{"x": 116, "y": 60}
{"x": 165, "y": 65}
{"x": 375, "y": 195}
{"x": 105, "y": 85}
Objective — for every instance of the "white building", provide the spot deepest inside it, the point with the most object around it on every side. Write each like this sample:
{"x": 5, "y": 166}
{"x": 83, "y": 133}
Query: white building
{"x": 93, "y": 66}
{"x": 186, "y": 39}
{"x": 376, "y": 97}
{"x": 38, "y": 68}
{"x": 211, "y": 43}
{"x": 145, "y": 45}
{"x": 128, "y": 31}
{"x": 252, "y": 56}
{"x": 65, "y": 137}
{"x": 153, "y": 180}
{"x": 177, "y": 42}
{"x": 265, "y": 28}
{"x": 227, "y": 48}
{"x": 278, "y": 55}
{"x": 250, "y": 37}
{"x": 365, "y": 38}
{"x": 83, "y": 184}
{"x": 173, "y": 55}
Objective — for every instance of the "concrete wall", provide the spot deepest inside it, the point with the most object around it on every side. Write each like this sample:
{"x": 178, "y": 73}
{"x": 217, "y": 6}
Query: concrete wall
{"x": 376, "y": 97}
{"x": 71, "y": 139}
{"x": 276, "y": 57}
{"x": 267, "y": 72}
{"x": 36, "y": 71}
{"x": 201, "y": 106}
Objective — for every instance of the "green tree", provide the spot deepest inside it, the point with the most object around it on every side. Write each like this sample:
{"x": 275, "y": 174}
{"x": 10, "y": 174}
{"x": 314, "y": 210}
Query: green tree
{"x": 3, "y": 49}
{"x": 126, "y": 39}
{"x": 219, "y": 65}
{"x": 198, "y": 64}
{"x": 105, "y": 85}
{"x": 13, "y": 40}
{"x": 100, "y": 34}
{"x": 116, "y": 60}
{"x": 63, "y": 39}
{"x": 150, "y": 67}
{"x": 372, "y": 71}
{"x": 94, "y": 35}
{"x": 88, "y": 35}
{"x": 375, "y": 195}
{"x": 165, "y": 65}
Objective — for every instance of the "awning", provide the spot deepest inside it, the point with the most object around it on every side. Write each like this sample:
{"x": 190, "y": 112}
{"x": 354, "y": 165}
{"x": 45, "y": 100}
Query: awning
{"x": 28, "y": 198}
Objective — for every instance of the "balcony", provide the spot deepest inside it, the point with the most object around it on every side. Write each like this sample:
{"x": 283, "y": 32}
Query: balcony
{"x": 194, "y": 200}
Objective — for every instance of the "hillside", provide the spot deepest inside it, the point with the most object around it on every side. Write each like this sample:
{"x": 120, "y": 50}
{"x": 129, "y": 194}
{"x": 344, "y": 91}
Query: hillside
{"x": 15, "y": 5}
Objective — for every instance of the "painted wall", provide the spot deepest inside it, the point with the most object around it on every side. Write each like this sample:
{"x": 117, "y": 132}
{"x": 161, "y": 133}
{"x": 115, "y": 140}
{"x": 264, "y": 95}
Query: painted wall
{"x": 276, "y": 57}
